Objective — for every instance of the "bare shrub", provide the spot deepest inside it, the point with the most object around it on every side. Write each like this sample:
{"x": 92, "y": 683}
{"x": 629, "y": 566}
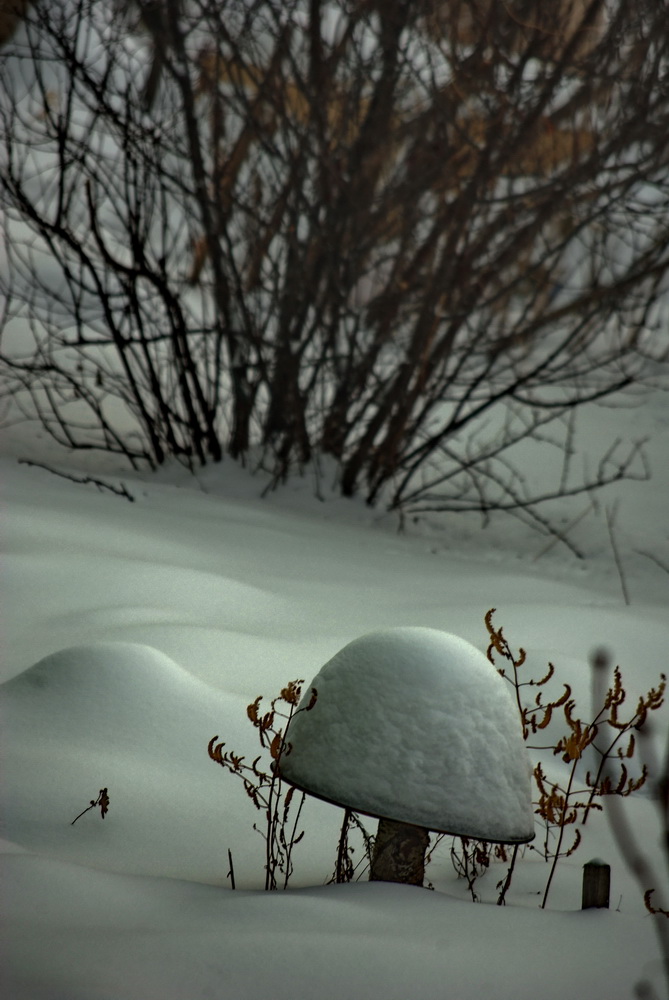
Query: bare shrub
{"x": 406, "y": 236}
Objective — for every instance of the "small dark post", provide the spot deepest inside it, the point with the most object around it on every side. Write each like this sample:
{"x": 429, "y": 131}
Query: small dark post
{"x": 596, "y": 884}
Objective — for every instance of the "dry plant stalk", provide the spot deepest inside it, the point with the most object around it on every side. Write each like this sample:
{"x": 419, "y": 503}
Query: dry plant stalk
{"x": 610, "y": 735}
{"x": 345, "y": 869}
{"x": 471, "y": 859}
{"x": 265, "y": 787}
{"x": 102, "y": 801}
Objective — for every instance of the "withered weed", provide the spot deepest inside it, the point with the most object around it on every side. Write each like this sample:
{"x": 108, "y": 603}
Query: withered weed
{"x": 102, "y": 802}
{"x": 280, "y": 804}
{"x": 564, "y": 805}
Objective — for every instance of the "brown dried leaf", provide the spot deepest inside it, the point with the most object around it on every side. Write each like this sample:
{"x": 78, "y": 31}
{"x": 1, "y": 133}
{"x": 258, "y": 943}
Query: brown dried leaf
{"x": 215, "y": 752}
{"x": 292, "y": 691}
{"x": 577, "y": 841}
{"x": 635, "y": 784}
{"x": 254, "y": 767}
{"x": 653, "y": 909}
{"x": 615, "y": 695}
{"x": 548, "y": 711}
{"x": 573, "y": 747}
{"x": 252, "y": 711}
{"x": 312, "y": 700}
{"x": 275, "y": 746}
{"x": 622, "y": 781}
{"x": 564, "y": 698}
{"x": 629, "y": 750}
{"x": 547, "y": 677}
{"x": 103, "y": 802}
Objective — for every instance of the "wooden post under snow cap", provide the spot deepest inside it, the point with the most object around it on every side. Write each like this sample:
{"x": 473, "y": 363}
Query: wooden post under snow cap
{"x": 399, "y": 853}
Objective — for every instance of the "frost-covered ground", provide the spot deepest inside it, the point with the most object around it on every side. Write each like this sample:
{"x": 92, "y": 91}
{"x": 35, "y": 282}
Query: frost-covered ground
{"x": 203, "y": 596}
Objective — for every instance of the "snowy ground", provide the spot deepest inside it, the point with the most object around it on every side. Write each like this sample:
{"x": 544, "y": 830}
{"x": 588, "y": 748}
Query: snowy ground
{"x": 234, "y": 596}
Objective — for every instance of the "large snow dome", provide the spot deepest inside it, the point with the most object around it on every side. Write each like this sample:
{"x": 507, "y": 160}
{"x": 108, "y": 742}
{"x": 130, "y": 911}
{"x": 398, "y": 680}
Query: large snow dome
{"x": 415, "y": 725}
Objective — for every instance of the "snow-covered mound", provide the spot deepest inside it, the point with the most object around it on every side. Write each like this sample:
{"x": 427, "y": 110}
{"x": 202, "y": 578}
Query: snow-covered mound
{"x": 126, "y": 717}
{"x": 414, "y": 724}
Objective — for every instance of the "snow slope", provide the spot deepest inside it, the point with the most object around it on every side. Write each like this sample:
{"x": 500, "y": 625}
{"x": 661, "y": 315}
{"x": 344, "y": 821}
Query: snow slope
{"x": 204, "y": 596}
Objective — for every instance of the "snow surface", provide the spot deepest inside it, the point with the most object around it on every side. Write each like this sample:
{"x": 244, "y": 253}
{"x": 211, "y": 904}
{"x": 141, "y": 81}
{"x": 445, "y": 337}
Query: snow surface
{"x": 415, "y": 725}
{"x": 236, "y": 596}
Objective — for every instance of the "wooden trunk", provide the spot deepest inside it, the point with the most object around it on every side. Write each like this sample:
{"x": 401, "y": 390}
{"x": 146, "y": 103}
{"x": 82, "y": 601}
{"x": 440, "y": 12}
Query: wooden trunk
{"x": 399, "y": 853}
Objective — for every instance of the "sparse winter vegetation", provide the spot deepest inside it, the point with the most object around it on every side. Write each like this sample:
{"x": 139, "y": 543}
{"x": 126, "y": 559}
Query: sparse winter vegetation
{"x": 403, "y": 236}
{"x": 468, "y": 755}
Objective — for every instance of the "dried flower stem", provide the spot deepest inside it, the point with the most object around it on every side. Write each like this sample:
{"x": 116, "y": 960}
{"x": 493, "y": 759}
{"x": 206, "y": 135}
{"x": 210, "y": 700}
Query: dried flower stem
{"x": 102, "y": 801}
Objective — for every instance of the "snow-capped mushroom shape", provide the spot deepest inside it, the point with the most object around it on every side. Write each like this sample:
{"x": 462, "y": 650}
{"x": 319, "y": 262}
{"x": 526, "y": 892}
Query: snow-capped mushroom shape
{"x": 415, "y": 725}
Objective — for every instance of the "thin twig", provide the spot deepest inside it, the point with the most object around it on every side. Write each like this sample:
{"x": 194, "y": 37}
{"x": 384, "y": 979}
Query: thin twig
{"x": 501, "y": 901}
{"x": 611, "y": 513}
{"x": 120, "y": 491}
{"x": 653, "y": 558}
{"x": 562, "y": 826}
{"x": 568, "y": 450}
{"x": 557, "y": 538}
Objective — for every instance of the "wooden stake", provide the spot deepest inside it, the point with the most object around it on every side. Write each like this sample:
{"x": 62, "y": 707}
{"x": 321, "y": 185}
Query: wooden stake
{"x": 596, "y": 884}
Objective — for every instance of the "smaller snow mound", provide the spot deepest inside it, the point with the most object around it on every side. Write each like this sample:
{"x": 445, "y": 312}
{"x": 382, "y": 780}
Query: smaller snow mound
{"x": 127, "y": 717}
{"x": 124, "y": 694}
{"x": 415, "y": 725}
